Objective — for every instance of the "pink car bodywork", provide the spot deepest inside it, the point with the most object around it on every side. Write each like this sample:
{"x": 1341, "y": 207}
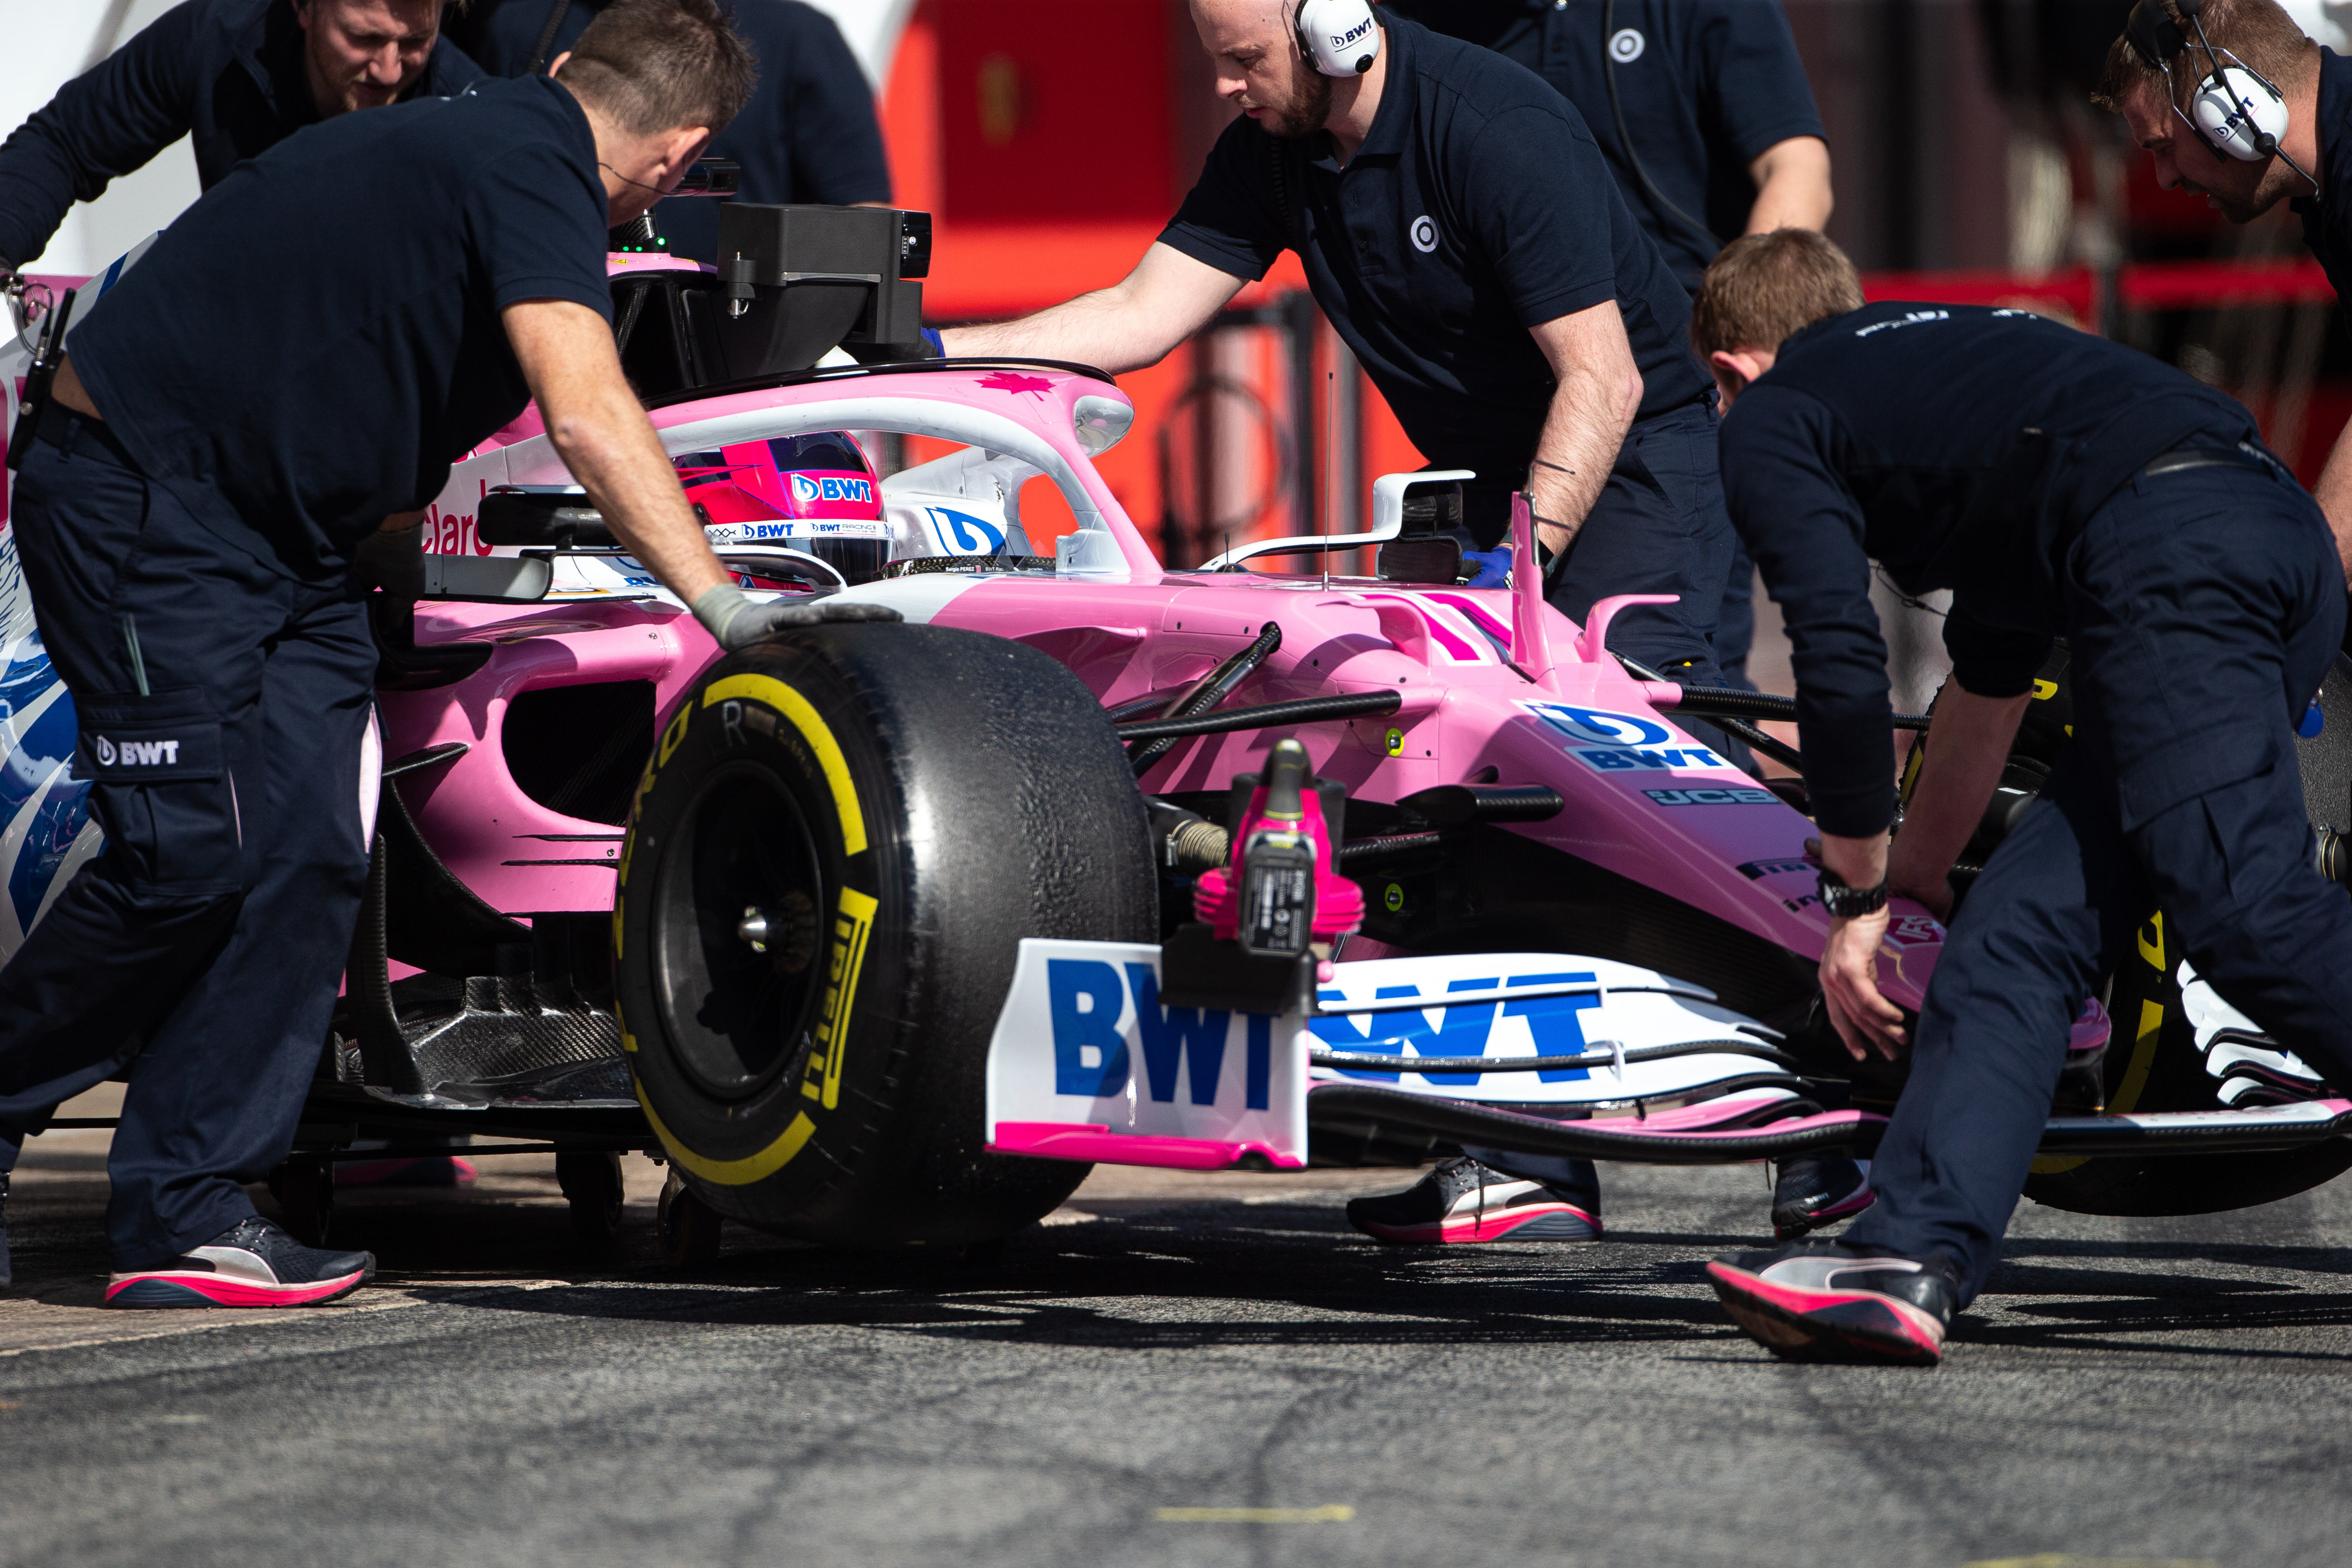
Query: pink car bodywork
{"x": 1131, "y": 630}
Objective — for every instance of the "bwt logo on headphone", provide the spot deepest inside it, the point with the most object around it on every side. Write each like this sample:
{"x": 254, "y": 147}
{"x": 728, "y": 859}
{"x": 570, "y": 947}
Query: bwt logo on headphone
{"x": 1341, "y": 40}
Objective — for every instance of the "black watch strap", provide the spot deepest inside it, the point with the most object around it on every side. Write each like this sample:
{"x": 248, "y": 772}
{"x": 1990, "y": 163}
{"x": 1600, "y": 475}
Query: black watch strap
{"x": 1845, "y": 902}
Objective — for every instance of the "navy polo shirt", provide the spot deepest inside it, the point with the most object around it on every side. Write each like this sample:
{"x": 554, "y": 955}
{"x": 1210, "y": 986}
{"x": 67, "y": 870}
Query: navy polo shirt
{"x": 808, "y": 134}
{"x": 228, "y": 74}
{"x": 1478, "y": 208}
{"x": 1960, "y": 447}
{"x": 2327, "y": 219}
{"x": 309, "y": 347}
{"x": 1705, "y": 86}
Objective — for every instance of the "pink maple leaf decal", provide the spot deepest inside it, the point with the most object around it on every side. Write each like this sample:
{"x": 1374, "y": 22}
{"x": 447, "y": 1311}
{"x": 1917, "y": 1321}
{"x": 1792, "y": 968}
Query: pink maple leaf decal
{"x": 1009, "y": 381}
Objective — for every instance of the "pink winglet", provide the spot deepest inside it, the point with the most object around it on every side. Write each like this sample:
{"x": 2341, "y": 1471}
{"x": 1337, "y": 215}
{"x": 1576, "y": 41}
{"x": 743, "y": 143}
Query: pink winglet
{"x": 1097, "y": 1143}
{"x": 1530, "y": 638}
{"x": 1592, "y": 648}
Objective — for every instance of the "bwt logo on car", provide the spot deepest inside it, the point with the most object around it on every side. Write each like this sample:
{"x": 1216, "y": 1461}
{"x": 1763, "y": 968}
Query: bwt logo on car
{"x": 1629, "y": 739}
{"x": 138, "y": 753}
{"x": 807, "y": 491}
{"x": 1088, "y": 1001}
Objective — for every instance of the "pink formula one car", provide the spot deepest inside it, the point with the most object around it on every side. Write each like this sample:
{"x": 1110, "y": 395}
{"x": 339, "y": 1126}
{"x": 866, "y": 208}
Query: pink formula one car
{"x": 880, "y": 933}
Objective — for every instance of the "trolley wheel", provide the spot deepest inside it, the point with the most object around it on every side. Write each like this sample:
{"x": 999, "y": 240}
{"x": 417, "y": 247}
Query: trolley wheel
{"x": 688, "y": 1227}
{"x": 592, "y": 1184}
{"x": 305, "y": 1189}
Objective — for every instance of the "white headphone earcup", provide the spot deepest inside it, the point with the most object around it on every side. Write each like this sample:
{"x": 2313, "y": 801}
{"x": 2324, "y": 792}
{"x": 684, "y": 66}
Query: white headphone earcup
{"x": 2235, "y": 109}
{"x": 1339, "y": 36}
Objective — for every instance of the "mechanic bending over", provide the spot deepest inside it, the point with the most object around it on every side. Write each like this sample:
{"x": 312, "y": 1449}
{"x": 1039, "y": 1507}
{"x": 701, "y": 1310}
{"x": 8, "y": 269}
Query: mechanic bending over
{"x": 2061, "y": 485}
{"x": 237, "y": 77}
{"x": 809, "y": 133}
{"x": 194, "y": 578}
{"x": 2294, "y": 97}
{"x": 1704, "y": 112}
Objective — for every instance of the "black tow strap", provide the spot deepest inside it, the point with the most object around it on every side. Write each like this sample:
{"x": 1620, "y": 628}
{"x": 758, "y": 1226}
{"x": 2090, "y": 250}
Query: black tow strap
{"x": 555, "y": 14}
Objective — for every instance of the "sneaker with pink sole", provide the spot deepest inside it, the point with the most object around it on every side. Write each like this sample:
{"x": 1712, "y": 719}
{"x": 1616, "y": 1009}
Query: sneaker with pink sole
{"x": 254, "y": 1264}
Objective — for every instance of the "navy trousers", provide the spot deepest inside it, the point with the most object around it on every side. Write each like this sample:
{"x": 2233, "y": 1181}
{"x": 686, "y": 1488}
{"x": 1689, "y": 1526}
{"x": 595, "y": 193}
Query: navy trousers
{"x": 1659, "y": 527}
{"x": 202, "y": 948}
{"x": 2203, "y": 608}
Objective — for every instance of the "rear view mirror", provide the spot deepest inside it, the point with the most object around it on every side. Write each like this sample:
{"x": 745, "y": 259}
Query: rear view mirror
{"x": 494, "y": 579}
{"x": 542, "y": 517}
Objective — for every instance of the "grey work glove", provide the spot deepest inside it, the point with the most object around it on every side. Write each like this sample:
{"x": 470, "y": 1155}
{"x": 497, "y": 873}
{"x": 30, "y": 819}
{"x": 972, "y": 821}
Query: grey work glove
{"x": 735, "y": 622}
{"x": 392, "y": 561}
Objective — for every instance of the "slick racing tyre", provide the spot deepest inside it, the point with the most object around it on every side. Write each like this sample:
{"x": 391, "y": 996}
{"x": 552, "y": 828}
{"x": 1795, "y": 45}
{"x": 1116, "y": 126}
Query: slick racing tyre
{"x": 2153, "y": 1063}
{"x": 841, "y": 838}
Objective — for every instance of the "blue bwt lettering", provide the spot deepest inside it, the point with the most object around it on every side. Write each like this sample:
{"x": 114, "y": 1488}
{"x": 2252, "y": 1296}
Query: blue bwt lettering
{"x": 1085, "y": 998}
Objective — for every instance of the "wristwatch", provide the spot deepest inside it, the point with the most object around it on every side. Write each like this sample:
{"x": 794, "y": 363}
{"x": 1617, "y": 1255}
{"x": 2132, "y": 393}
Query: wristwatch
{"x": 1845, "y": 902}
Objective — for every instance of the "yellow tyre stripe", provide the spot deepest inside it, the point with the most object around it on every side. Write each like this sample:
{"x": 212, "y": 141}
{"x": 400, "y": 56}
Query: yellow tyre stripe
{"x": 775, "y": 694}
{"x": 732, "y": 1172}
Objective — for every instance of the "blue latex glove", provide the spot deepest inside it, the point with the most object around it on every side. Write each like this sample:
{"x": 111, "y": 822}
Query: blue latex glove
{"x": 931, "y": 341}
{"x": 1494, "y": 566}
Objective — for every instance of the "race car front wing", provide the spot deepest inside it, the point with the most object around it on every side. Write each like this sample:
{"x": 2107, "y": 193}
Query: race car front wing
{"x": 1539, "y": 1053}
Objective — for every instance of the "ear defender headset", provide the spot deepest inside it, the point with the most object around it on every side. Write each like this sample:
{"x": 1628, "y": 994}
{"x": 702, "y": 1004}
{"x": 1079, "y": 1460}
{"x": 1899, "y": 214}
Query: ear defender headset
{"x": 2235, "y": 112}
{"x": 1338, "y": 35}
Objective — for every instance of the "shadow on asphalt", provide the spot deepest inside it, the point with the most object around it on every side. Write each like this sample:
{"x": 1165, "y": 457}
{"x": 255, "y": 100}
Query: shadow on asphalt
{"x": 1297, "y": 1277}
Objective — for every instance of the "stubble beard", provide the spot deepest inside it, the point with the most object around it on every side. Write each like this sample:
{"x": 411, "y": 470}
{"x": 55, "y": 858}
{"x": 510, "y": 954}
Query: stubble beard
{"x": 1304, "y": 115}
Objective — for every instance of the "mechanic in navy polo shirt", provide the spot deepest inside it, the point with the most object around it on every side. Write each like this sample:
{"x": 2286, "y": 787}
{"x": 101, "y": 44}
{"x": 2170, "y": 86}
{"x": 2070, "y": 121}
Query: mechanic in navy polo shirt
{"x": 237, "y": 77}
{"x": 2153, "y": 73}
{"x": 1701, "y": 107}
{"x": 222, "y": 444}
{"x": 809, "y": 133}
{"x": 2060, "y": 484}
{"x": 1461, "y": 230}
{"x": 1703, "y": 111}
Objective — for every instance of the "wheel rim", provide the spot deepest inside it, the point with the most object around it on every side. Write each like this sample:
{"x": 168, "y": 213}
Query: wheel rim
{"x": 737, "y": 1016}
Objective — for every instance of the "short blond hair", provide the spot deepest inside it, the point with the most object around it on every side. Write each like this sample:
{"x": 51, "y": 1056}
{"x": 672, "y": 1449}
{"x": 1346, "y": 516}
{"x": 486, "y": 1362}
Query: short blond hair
{"x": 1764, "y": 288}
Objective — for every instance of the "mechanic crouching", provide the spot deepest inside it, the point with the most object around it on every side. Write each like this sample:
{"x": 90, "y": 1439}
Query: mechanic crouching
{"x": 195, "y": 510}
{"x": 1461, "y": 231}
{"x": 236, "y": 76}
{"x": 2059, "y": 484}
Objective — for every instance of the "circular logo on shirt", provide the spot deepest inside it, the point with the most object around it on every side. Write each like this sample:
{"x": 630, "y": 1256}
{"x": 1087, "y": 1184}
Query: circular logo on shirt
{"x": 1424, "y": 234}
{"x": 105, "y": 753}
{"x": 1625, "y": 46}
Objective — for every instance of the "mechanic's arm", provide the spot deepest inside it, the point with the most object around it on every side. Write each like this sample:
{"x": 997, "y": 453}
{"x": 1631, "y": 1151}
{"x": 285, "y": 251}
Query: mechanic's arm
{"x": 103, "y": 124}
{"x": 1127, "y": 326}
{"x": 2334, "y": 494}
{"x": 1967, "y": 746}
{"x": 600, "y": 432}
{"x": 1793, "y": 185}
{"x": 1599, "y": 392}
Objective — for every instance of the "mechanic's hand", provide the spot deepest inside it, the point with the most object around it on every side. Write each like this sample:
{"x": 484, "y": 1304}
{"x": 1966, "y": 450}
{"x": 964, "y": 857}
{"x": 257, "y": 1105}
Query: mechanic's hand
{"x": 735, "y": 622}
{"x": 1850, "y": 987}
{"x": 392, "y": 559}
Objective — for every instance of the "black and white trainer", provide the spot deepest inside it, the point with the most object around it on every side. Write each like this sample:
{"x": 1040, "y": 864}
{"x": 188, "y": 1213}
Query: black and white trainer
{"x": 1824, "y": 1301}
{"x": 1461, "y": 1201}
{"x": 253, "y": 1264}
{"x": 1814, "y": 1191}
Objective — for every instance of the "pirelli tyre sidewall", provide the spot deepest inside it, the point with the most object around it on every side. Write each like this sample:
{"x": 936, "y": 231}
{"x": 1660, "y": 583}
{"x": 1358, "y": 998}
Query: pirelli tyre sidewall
{"x": 892, "y": 808}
